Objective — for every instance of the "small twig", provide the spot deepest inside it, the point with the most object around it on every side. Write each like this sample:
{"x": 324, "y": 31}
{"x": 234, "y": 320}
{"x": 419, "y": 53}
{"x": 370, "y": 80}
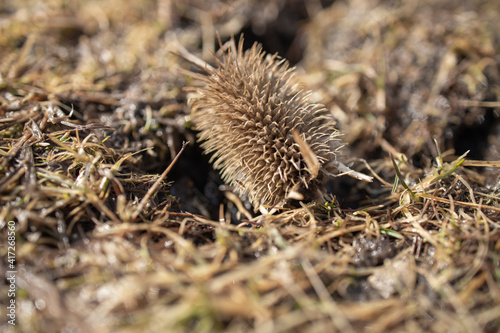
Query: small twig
{"x": 153, "y": 188}
{"x": 375, "y": 174}
{"x": 188, "y": 56}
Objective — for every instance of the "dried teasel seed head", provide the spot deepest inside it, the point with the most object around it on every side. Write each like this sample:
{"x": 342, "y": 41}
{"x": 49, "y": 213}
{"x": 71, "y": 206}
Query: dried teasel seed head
{"x": 266, "y": 138}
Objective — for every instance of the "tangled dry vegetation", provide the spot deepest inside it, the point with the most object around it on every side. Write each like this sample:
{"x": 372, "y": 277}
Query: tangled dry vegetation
{"x": 122, "y": 227}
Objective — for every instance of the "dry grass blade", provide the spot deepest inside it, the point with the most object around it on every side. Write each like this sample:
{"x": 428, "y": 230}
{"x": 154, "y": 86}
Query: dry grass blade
{"x": 490, "y": 164}
{"x": 310, "y": 158}
{"x": 153, "y": 188}
{"x": 399, "y": 178}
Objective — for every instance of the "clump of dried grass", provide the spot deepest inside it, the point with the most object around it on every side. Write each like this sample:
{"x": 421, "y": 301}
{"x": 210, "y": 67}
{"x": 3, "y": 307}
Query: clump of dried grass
{"x": 98, "y": 250}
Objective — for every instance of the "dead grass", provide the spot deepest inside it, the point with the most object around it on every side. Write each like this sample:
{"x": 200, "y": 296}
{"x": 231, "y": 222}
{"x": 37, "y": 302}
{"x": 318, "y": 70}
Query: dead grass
{"x": 116, "y": 235}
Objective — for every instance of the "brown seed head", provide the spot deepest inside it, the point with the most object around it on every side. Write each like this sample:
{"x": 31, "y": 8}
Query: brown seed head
{"x": 266, "y": 138}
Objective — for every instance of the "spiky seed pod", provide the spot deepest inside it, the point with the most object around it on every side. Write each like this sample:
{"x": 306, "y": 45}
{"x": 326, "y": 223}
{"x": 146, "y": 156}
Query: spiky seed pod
{"x": 267, "y": 139}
